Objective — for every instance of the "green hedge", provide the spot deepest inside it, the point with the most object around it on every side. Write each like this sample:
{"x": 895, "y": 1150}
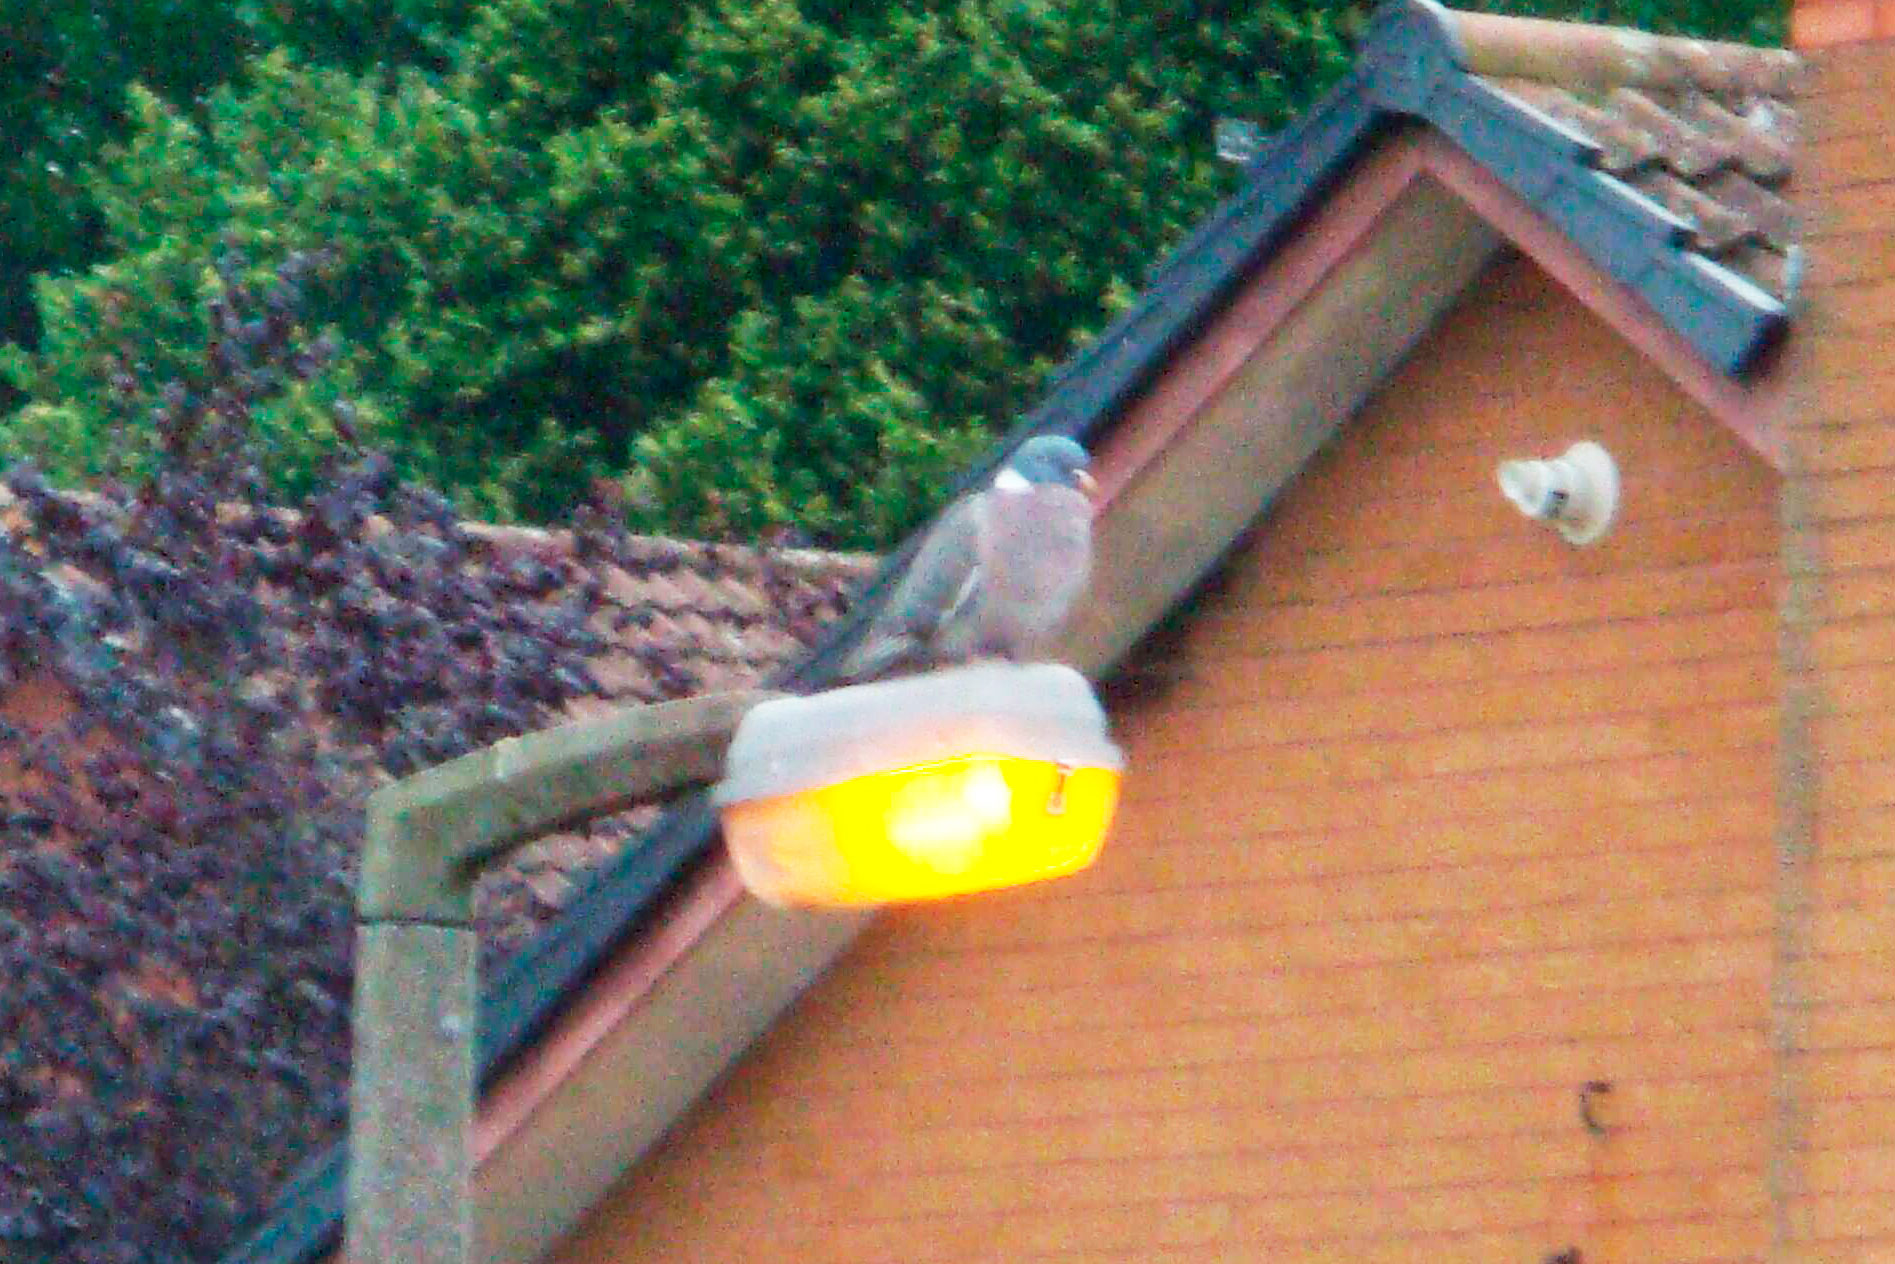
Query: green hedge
{"x": 770, "y": 263}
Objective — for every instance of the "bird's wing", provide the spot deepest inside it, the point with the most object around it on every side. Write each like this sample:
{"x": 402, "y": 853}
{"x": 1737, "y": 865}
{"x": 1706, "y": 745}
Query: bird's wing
{"x": 939, "y": 582}
{"x": 941, "y": 578}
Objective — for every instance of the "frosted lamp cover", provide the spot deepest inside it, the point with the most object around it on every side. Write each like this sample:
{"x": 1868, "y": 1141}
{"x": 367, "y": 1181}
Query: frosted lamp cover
{"x": 961, "y": 780}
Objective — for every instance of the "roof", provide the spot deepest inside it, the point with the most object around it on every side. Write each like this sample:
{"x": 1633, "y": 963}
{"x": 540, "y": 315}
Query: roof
{"x": 1420, "y": 62}
{"x": 693, "y": 617}
{"x": 1706, "y": 131}
{"x": 1555, "y": 112}
{"x": 91, "y": 1086}
{"x": 1633, "y": 183}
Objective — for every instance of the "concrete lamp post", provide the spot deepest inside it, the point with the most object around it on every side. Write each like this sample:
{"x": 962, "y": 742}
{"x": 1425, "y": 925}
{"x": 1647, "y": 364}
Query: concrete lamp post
{"x": 961, "y": 780}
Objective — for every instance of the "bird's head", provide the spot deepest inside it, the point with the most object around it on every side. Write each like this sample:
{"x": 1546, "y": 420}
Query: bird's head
{"x": 1047, "y": 461}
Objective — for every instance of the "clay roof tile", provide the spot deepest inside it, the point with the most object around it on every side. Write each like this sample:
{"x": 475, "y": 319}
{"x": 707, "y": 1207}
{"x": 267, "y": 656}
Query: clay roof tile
{"x": 1715, "y": 226}
{"x": 1706, "y": 130}
{"x": 1583, "y": 56}
{"x": 1681, "y": 147}
{"x": 1624, "y": 146}
{"x": 1763, "y": 154}
{"x": 1773, "y": 214}
{"x": 742, "y": 597}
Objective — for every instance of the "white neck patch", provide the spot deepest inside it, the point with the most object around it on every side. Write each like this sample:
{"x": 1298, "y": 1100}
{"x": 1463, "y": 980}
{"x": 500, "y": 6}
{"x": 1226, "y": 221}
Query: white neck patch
{"x": 1011, "y": 480}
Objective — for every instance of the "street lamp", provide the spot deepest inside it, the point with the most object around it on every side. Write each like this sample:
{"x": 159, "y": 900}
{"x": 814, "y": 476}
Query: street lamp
{"x": 954, "y": 782}
{"x": 932, "y": 786}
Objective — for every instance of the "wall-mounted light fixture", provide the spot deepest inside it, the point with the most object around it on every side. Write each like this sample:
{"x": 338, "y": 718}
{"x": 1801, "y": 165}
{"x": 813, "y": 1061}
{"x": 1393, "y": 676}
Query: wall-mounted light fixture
{"x": 1576, "y": 493}
{"x": 961, "y": 780}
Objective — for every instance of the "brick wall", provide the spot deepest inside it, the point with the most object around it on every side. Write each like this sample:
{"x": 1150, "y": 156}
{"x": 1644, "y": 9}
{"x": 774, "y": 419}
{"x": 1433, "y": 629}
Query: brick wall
{"x": 1432, "y": 820}
{"x": 1836, "y": 1003}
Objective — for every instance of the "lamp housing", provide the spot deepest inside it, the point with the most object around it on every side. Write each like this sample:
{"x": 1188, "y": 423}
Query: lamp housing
{"x": 960, "y": 780}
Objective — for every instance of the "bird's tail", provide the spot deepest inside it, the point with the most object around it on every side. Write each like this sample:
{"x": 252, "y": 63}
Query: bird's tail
{"x": 879, "y": 658}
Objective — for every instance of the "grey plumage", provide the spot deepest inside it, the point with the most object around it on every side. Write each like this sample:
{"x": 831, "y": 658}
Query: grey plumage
{"x": 996, "y": 575}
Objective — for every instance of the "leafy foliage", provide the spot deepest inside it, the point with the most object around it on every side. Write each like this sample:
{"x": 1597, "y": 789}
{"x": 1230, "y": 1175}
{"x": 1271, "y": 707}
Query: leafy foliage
{"x": 61, "y": 97}
{"x": 531, "y": 308}
{"x": 220, "y": 678}
{"x": 64, "y": 96}
{"x": 774, "y": 263}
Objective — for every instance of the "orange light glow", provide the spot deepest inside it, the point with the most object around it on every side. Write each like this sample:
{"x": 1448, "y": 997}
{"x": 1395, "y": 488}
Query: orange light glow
{"x": 937, "y": 829}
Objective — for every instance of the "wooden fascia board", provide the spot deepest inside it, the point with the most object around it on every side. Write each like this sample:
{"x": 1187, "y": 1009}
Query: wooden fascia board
{"x": 551, "y": 1151}
{"x": 1247, "y": 406}
{"x": 1751, "y": 410}
{"x": 609, "y": 1000}
{"x": 1154, "y": 419}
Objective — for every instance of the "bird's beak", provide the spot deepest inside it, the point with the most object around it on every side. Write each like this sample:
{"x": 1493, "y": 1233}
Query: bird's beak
{"x": 1087, "y": 484}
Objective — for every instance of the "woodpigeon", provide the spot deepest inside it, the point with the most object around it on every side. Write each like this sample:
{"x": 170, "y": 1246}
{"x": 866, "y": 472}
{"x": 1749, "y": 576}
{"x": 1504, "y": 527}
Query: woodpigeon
{"x": 997, "y": 573}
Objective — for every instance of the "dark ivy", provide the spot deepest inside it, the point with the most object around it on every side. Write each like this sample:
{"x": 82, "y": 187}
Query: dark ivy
{"x": 175, "y": 856}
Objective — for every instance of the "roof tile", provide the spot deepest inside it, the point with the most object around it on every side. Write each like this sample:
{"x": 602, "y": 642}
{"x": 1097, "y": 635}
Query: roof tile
{"x": 1706, "y": 131}
{"x": 694, "y": 617}
{"x": 1770, "y": 212}
{"x": 1763, "y": 155}
{"x": 1715, "y": 226}
{"x": 1682, "y": 148}
{"x": 734, "y": 615}
{"x": 1623, "y": 145}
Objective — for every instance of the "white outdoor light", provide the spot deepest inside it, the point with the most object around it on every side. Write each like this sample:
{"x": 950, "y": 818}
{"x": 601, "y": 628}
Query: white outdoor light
{"x": 1576, "y": 492}
{"x": 961, "y": 780}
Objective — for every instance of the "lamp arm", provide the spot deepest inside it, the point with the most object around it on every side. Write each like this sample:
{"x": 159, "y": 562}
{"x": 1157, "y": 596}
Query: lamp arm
{"x": 429, "y": 835}
{"x": 411, "y": 1086}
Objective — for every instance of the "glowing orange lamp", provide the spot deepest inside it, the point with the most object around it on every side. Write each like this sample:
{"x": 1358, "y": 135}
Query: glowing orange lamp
{"x": 961, "y": 780}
